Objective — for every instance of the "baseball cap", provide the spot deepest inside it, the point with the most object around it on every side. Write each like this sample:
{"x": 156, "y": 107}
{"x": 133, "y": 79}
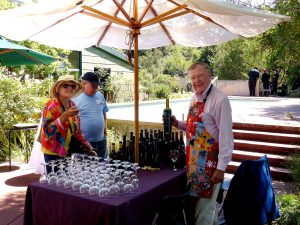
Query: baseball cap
{"x": 91, "y": 77}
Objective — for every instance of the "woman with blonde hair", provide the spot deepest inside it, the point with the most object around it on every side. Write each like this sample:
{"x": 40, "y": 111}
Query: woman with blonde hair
{"x": 61, "y": 120}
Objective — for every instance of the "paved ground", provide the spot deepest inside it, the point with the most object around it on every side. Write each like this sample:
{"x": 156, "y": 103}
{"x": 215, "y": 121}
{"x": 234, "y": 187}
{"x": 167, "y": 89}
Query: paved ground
{"x": 13, "y": 184}
{"x": 262, "y": 110}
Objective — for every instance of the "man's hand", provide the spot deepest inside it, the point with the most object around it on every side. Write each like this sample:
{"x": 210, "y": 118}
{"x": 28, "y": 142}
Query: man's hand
{"x": 217, "y": 177}
{"x": 174, "y": 121}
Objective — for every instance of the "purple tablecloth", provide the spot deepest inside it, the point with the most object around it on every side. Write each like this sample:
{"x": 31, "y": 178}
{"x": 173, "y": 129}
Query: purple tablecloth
{"x": 50, "y": 205}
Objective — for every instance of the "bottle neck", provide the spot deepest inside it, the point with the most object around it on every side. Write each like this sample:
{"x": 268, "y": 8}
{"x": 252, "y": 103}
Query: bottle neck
{"x": 167, "y": 103}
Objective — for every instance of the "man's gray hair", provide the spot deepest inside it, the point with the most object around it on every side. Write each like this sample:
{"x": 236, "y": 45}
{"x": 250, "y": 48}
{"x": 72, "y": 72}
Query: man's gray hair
{"x": 205, "y": 65}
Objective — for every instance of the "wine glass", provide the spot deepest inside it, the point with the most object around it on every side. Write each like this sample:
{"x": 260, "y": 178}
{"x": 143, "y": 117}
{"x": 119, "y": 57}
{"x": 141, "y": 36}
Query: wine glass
{"x": 52, "y": 177}
{"x": 44, "y": 178}
{"x": 174, "y": 156}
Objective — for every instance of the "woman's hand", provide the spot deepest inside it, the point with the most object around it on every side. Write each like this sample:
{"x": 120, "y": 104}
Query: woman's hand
{"x": 73, "y": 111}
{"x": 89, "y": 150}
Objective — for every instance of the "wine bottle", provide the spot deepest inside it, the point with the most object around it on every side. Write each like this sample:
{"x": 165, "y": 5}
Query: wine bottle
{"x": 120, "y": 151}
{"x": 142, "y": 150}
{"x": 131, "y": 149}
{"x": 127, "y": 150}
{"x": 113, "y": 154}
{"x": 124, "y": 149}
{"x": 167, "y": 118}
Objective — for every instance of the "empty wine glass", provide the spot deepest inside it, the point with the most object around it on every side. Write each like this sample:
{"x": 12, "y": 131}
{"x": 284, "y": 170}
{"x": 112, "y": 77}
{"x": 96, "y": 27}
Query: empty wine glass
{"x": 94, "y": 189}
{"x": 174, "y": 156}
{"x": 104, "y": 191}
{"x": 52, "y": 177}
{"x": 44, "y": 178}
{"x": 76, "y": 185}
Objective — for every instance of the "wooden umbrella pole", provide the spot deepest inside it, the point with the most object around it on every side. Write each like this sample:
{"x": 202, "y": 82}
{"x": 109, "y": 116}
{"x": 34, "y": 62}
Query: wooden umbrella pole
{"x": 136, "y": 32}
{"x": 136, "y": 97}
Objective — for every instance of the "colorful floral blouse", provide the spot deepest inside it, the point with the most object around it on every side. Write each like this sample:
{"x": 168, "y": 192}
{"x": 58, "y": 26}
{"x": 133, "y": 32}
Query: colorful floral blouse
{"x": 56, "y": 136}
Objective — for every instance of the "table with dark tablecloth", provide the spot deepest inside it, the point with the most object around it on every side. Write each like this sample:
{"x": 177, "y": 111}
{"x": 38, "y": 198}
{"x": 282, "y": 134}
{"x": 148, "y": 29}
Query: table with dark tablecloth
{"x": 50, "y": 205}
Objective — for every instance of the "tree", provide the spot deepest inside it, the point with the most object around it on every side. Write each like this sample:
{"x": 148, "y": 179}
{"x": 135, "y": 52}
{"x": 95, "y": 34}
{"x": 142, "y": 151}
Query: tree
{"x": 283, "y": 43}
{"x": 228, "y": 62}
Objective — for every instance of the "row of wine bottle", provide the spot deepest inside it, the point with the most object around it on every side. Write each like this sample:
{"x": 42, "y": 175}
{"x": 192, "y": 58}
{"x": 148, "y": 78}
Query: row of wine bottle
{"x": 154, "y": 148}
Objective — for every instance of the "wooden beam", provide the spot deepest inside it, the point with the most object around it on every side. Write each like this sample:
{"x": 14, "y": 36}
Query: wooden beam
{"x": 101, "y": 15}
{"x": 135, "y": 9}
{"x": 120, "y": 7}
{"x": 158, "y": 18}
{"x": 136, "y": 98}
{"x": 169, "y": 17}
{"x": 109, "y": 24}
{"x": 163, "y": 27}
{"x": 146, "y": 10}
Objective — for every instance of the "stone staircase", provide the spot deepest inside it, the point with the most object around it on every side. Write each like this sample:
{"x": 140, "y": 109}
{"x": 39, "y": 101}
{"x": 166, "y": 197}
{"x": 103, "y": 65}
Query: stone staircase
{"x": 251, "y": 141}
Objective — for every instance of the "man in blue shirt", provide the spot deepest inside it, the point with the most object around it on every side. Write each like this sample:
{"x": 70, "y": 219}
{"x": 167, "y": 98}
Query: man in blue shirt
{"x": 93, "y": 109}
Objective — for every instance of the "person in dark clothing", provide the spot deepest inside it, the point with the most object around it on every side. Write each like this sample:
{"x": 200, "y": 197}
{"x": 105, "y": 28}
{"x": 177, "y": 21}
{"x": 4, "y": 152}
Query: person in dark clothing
{"x": 253, "y": 76}
{"x": 265, "y": 79}
{"x": 275, "y": 82}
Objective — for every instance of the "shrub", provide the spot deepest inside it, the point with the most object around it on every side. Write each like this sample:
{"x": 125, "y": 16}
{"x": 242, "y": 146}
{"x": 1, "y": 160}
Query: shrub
{"x": 289, "y": 205}
{"x": 294, "y": 166}
{"x": 18, "y": 104}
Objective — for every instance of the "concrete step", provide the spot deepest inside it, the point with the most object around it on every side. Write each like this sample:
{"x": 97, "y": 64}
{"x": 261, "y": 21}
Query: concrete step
{"x": 264, "y": 147}
{"x": 267, "y": 128}
{"x": 274, "y": 160}
{"x": 277, "y": 173}
{"x": 291, "y": 139}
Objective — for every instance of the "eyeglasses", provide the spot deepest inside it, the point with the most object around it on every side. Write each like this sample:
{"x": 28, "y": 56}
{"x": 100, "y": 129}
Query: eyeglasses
{"x": 73, "y": 86}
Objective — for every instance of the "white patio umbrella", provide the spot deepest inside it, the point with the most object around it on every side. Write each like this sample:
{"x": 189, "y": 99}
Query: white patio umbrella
{"x": 143, "y": 24}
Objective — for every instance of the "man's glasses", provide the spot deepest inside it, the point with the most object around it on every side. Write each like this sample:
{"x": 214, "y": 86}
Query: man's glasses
{"x": 73, "y": 86}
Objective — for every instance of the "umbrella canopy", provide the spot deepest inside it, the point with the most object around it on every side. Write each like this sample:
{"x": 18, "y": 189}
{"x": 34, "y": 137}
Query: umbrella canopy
{"x": 143, "y": 24}
{"x": 12, "y": 54}
{"x": 75, "y": 25}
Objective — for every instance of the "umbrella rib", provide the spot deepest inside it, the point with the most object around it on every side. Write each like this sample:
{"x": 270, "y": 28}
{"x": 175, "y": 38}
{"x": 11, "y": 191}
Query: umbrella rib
{"x": 109, "y": 25}
{"x": 162, "y": 26}
{"x": 98, "y": 14}
{"x": 59, "y": 21}
{"x": 169, "y": 17}
{"x": 120, "y": 7}
{"x": 146, "y": 10}
{"x": 200, "y": 15}
{"x": 22, "y": 53}
{"x": 158, "y": 18}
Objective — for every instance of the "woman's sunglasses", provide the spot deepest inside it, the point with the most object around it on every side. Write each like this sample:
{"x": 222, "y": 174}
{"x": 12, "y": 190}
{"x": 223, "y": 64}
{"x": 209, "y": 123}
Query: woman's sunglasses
{"x": 73, "y": 86}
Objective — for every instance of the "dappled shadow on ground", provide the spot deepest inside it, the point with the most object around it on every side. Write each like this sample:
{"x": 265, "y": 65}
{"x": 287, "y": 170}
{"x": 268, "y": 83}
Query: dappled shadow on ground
{"x": 21, "y": 181}
{"x": 281, "y": 112}
{"x": 12, "y": 208}
{"x": 4, "y": 169}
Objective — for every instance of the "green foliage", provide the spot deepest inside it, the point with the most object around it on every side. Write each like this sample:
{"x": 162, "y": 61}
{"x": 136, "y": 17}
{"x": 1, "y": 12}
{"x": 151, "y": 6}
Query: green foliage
{"x": 228, "y": 62}
{"x": 179, "y": 58}
{"x": 294, "y": 165}
{"x": 18, "y": 104}
{"x": 283, "y": 43}
{"x": 289, "y": 206}
{"x": 4, "y": 5}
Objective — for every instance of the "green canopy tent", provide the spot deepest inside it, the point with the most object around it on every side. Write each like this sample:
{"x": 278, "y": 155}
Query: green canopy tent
{"x": 12, "y": 54}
